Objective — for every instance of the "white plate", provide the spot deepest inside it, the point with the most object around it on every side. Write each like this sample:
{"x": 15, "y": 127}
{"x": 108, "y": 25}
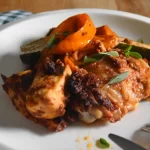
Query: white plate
{"x": 18, "y": 133}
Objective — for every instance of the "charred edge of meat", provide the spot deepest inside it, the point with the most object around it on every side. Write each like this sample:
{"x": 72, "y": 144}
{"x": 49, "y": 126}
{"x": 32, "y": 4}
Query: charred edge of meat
{"x": 23, "y": 82}
{"x": 26, "y": 81}
{"x": 49, "y": 66}
{"x": 4, "y": 78}
{"x": 104, "y": 102}
{"x": 83, "y": 89}
{"x": 60, "y": 123}
{"x": 70, "y": 115}
{"x": 53, "y": 68}
{"x": 57, "y": 124}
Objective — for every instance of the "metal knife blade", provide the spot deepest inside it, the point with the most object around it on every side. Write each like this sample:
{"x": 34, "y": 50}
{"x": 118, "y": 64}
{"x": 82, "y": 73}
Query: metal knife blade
{"x": 124, "y": 143}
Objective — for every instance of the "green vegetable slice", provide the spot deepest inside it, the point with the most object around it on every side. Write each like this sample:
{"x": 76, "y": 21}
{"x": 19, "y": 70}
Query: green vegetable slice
{"x": 104, "y": 143}
{"x": 142, "y": 49}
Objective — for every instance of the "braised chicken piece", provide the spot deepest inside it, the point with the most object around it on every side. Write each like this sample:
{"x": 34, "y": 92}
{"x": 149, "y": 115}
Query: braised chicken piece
{"x": 46, "y": 97}
{"x": 16, "y": 87}
{"x": 40, "y": 96}
{"x": 93, "y": 98}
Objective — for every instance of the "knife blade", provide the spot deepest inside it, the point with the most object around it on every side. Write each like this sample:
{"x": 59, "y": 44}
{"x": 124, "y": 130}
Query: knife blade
{"x": 124, "y": 143}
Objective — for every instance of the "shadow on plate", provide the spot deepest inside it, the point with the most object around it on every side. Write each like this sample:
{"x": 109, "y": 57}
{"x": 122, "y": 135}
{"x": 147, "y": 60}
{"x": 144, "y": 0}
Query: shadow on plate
{"x": 142, "y": 138}
{"x": 4, "y": 147}
{"x": 10, "y": 64}
{"x": 9, "y": 116}
{"x": 96, "y": 124}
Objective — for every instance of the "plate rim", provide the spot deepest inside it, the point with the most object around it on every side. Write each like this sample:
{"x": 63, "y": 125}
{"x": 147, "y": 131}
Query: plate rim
{"x": 94, "y": 10}
{"x": 98, "y": 11}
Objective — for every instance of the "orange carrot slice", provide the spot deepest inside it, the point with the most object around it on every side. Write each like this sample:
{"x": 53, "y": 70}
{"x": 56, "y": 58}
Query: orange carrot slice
{"x": 81, "y": 29}
{"x": 104, "y": 30}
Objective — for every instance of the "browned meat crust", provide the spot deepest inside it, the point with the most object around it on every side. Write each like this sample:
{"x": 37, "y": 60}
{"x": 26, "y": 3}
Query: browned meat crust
{"x": 16, "y": 85}
{"x": 84, "y": 91}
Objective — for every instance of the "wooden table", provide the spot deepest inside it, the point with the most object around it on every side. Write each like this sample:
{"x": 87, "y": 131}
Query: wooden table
{"x": 141, "y": 7}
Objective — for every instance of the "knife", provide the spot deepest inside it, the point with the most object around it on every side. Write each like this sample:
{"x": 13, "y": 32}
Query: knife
{"x": 124, "y": 143}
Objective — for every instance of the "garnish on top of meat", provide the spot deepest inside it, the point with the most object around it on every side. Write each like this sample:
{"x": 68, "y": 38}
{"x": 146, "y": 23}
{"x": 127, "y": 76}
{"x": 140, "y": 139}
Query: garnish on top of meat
{"x": 90, "y": 88}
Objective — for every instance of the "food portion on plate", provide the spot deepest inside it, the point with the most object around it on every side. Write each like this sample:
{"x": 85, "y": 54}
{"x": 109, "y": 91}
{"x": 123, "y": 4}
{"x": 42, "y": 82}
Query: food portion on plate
{"x": 80, "y": 72}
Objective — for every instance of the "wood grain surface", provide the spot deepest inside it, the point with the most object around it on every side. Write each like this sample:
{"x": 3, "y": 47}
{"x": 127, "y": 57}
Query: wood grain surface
{"x": 141, "y": 7}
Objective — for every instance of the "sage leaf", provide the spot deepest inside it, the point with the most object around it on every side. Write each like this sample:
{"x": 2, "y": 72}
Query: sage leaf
{"x": 119, "y": 78}
{"x": 66, "y": 33}
{"x": 135, "y": 55}
{"x": 128, "y": 48}
{"x": 88, "y": 60}
{"x": 100, "y": 55}
{"x": 51, "y": 41}
{"x": 128, "y": 53}
{"x": 112, "y": 53}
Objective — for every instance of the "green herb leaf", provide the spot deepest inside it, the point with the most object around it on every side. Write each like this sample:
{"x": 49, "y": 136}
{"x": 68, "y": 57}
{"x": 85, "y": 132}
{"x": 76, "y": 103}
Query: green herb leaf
{"x": 128, "y": 53}
{"x": 66, "y": 33}
{"x": 112, "y": 53}
{"x": 128, "y": 48}
{"x": 89, "y": 60}
{"x": 104, "y": 143}
{"x": 51, "y": 40}
{"x": 99, "y": 56}
{"x": 135, "y": 55}
{"x": 119, "y": 78}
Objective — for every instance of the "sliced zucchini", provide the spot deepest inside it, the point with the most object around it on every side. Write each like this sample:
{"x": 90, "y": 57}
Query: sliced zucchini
{"x": 35, "y": 46}
{"x": 143, "y": 49}
{"x": 30, "y": 59}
